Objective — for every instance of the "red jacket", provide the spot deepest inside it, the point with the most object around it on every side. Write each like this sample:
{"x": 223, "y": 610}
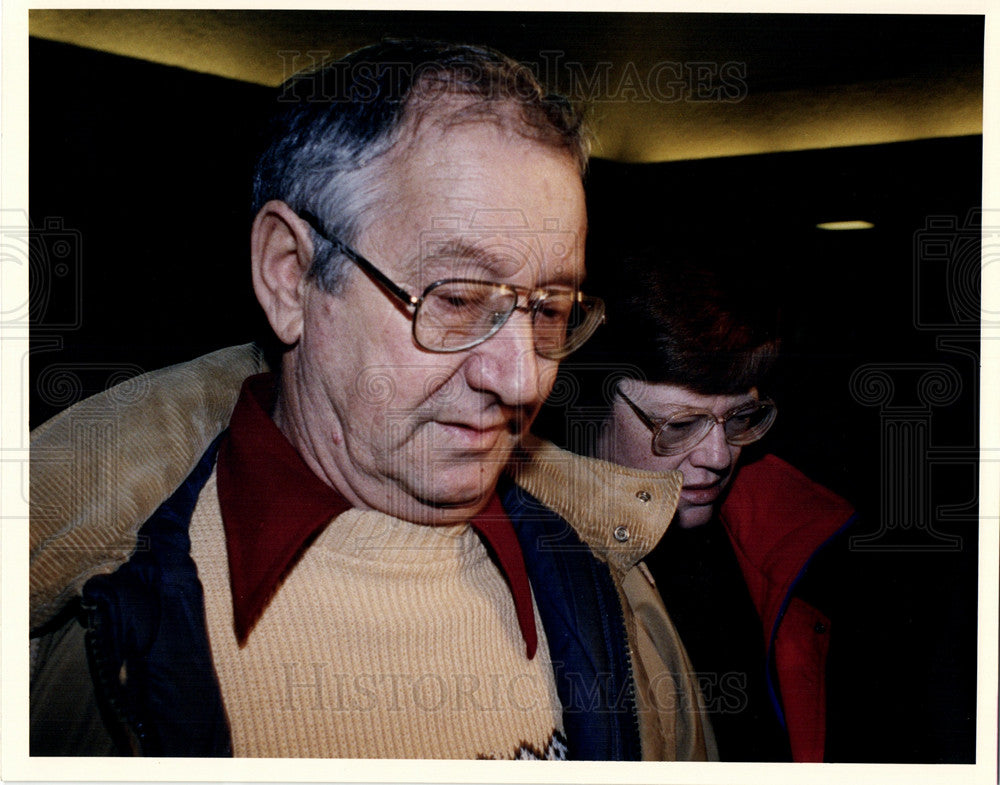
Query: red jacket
{"x": 777, "y": 519}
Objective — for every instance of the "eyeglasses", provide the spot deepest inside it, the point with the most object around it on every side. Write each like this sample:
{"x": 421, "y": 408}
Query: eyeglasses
{"x": 455, "y": 314}
{"x": 685, "y": 428}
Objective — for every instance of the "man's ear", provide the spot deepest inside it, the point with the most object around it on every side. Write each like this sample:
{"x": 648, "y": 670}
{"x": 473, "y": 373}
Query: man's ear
{"x": 280, "y": 254}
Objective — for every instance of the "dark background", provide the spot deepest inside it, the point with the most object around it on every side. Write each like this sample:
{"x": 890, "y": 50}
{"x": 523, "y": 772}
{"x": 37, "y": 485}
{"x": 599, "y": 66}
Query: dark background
{"x": 139, "y": 183}
{"x": 877, "y": 390}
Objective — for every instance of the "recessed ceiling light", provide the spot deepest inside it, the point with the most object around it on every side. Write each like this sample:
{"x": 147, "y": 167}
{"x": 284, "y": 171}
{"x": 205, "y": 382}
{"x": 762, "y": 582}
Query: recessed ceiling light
{"x": 837, "y": 226}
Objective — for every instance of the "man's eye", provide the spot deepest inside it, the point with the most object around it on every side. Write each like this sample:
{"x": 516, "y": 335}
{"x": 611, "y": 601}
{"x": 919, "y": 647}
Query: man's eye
{"x": 684, "y": 423}
{"x": 555, "y": 309}
{"x": 461, "y": 298}
{"x": 553, "y": 313}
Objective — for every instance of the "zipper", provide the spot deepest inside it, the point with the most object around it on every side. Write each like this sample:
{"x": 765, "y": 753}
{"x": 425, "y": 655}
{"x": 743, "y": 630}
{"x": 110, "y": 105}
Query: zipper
{"x": 128, "y": 734}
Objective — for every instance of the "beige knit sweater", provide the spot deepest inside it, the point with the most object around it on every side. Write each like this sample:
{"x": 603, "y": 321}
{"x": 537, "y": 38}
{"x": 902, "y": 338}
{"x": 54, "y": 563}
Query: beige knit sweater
{"x": 387, "y": 640}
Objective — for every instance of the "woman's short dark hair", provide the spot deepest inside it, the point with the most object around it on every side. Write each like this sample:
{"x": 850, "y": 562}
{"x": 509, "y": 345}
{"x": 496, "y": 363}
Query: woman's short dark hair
{"x": 696, "y": 325}
{"x": 684, "y": 317}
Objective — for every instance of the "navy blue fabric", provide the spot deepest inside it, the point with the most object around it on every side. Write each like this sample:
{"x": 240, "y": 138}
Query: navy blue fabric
{"x": 148, "y": 617}
{"x": 583, "y": 620}
{"x": 772, "y": 665}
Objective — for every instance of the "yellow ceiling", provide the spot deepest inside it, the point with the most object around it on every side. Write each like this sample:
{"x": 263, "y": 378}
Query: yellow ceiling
{"x": 264, "y": 47}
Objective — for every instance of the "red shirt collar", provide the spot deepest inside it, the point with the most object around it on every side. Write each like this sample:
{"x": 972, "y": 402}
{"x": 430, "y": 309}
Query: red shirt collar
{"x": 273, "y": 506}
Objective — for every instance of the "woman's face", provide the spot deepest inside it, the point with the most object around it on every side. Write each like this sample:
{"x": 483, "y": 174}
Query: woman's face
{"x": 707, "y": 466}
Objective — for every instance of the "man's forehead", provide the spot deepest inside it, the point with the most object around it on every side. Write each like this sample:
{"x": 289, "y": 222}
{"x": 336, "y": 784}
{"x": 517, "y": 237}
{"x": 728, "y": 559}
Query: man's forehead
{"x": 551, "y": 257}
{"x": 478, "y": 201}
{"x": 437, "y": 146}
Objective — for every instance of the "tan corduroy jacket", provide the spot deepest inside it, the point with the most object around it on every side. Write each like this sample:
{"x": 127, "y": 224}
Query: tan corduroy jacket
{"x": 102, "y": 467}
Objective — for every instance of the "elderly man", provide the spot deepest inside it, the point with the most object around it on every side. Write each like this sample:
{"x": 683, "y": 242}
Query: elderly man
{"x": 371, "y": 560}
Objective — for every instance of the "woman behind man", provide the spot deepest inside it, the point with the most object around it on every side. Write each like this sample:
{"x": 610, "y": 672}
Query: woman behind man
{"x": 678, "y": 380}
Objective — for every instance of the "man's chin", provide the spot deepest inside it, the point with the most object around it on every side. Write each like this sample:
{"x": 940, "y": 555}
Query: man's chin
{"x": 456, "y": 497}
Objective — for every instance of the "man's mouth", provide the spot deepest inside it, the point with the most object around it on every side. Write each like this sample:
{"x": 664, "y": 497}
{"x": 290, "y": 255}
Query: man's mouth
{"x": 478, "y": 436}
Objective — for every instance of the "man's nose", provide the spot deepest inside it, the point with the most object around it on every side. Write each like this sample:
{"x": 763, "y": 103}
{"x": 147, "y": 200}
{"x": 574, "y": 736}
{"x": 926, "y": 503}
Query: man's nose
{"x": 713, "y": 452}
{"x": 507, "y": 365}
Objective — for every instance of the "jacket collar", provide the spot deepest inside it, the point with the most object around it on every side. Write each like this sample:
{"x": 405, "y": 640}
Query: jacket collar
{"x": 101, "y": 468}
{"x": 777, "y": 520}
{"x": 620, "y": 512}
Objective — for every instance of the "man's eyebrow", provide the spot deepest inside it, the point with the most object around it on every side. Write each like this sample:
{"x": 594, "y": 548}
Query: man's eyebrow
{"x": 488, "y": 260}
{"x": 455, "y": 248}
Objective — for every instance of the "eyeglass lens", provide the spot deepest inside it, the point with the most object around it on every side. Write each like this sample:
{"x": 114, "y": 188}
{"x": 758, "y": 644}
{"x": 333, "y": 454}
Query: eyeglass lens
{"x": 742, "y": 426}
{"x": 458, "y": 314}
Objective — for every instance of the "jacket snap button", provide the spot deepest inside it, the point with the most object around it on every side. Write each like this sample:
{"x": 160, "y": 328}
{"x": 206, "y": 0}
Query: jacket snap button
{"x": 644, "y": 496}
{"x": 819, "y": 628}
{"x": 621, "y": 534}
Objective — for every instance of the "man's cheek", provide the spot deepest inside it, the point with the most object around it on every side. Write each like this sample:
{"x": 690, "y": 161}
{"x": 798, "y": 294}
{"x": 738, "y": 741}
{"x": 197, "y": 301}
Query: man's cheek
{"x": 416, "y": 389}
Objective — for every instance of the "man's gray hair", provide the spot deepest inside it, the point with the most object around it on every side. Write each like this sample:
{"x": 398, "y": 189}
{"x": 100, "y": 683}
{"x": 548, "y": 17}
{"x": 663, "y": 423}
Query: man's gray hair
{"x": 334, "y": 121}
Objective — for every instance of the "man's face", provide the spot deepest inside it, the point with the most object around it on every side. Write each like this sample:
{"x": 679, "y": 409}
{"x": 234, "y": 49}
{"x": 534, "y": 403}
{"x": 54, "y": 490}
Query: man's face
{"x": 393, "y": 427}
{"x": 707, "y": 467}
